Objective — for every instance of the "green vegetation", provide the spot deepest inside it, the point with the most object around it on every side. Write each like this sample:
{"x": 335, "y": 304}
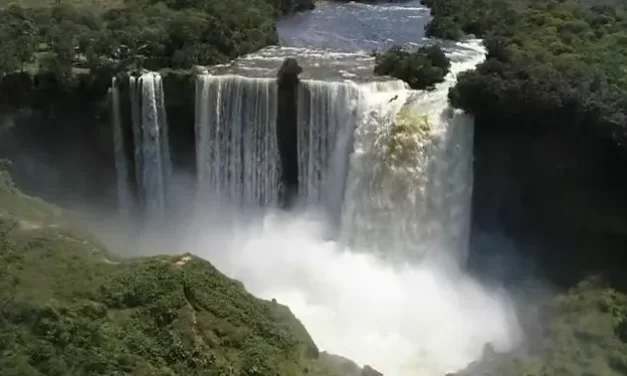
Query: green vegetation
{"x": 421, "y": 69}
{"x": 151, "y": 34}
{"x": 68, "y": 307}
{"x": 578, "y": 333}
{"x": 556, "y": 64}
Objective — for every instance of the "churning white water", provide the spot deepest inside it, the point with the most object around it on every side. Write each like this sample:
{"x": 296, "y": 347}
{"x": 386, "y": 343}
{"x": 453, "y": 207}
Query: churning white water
{"x": 408, "y": 184}
{"x": 410, "y": 181}
{"x": 425, "y": 319}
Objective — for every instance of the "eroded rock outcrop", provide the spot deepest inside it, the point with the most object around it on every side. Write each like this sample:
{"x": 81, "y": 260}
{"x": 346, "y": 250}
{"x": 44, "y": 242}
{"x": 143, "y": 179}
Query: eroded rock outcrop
{"x": 287, "y": 133}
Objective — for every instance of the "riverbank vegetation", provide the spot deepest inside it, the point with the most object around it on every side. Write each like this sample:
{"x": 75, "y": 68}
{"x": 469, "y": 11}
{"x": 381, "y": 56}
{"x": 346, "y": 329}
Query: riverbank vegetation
{"x": 66, "y": 38}
{"x": 421, "y": 69}
{"x": 578, "y": 332}
{"x": 549, "y": 64}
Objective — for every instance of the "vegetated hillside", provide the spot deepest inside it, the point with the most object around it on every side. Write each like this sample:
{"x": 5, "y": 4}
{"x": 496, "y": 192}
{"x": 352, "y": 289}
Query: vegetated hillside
{"x": 550, "y": 63}
{"x": 550, "y": 105}
{"x": 69, "y": 307}
{"x": 580, "y": 332}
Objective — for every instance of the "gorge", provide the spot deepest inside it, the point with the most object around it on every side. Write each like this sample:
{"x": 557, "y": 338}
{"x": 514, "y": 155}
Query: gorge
{"x": 367, "y": 169}
{"x": 355, "y": 201}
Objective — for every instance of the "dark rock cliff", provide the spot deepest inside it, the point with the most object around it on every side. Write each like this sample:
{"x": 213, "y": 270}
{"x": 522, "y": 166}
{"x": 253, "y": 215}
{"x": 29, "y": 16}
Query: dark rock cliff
{"x": 559, "y": 196}
{"x": 58, "y": 136}
{"x": 287, "y": 135}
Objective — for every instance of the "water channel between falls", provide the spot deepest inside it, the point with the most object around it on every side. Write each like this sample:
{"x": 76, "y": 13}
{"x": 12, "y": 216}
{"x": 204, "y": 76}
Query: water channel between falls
{"x": 388, "y": 169}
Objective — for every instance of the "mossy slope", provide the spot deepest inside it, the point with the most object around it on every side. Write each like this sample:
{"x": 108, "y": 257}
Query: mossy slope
{"x": 581, "y": 332}
{"x": 67, "y": 307}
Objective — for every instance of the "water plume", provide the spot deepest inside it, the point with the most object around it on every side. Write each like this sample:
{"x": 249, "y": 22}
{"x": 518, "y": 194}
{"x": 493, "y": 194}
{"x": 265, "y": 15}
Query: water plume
{"x": 410, "y": 320}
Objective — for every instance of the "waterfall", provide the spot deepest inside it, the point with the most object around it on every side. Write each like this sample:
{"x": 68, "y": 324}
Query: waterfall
{"x": 410, "y": 177}
{"x": 389, "y": 166}
{"x": 236, "y": 146}
{"x": 125, "y": 202}
{"x": 327, "y": 115}
{"x": 153, "y": 167}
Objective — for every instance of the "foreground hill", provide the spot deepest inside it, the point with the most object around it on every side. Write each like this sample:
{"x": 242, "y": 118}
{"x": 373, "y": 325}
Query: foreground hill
{"x": 68, "y": 307}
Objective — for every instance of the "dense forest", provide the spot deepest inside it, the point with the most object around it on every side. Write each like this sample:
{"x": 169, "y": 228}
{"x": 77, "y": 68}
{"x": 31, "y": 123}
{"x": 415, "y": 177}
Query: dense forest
{"x": 70, "y": 38}
{"x": 552, "y": 95}
{"x": 550, "y": 63}
{"x": 421, "y": 69}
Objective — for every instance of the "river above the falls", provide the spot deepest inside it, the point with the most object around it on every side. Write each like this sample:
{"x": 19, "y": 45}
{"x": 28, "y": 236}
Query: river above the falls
{"x": 355, "y": 27}
{"x": 333, "y": 42}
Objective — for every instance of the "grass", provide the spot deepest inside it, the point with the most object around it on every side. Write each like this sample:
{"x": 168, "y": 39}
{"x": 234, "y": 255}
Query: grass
{"x": 68, "y": 307}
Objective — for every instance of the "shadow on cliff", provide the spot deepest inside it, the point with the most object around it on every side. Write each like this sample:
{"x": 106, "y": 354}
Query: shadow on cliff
{"x": 558, "y": 197}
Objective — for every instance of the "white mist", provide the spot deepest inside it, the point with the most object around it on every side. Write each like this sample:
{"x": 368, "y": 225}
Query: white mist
{"x": 421, "y": 320}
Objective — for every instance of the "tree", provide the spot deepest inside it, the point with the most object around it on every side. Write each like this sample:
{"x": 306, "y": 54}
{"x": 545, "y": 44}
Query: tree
{"x": 421, "y": 69}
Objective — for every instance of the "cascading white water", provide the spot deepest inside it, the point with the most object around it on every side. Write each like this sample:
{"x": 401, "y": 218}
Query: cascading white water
{"x": 236, "y": 146}
{"x": 410, "y": 180}
{"x": 408, "y": 196}
{"x": 121, "y": 162}
{"x": 153, "y": 166}
{"x": 327, "y": 115}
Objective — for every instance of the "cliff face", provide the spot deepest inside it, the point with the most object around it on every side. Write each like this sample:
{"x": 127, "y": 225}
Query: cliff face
{"x": 61, "y": 133}
{"x": 58, "y": 136}
{"x": 558, "y": 195}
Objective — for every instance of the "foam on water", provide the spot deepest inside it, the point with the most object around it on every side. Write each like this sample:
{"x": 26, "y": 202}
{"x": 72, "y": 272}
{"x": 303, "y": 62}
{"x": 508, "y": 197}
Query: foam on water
{"x": 421, "y": 320}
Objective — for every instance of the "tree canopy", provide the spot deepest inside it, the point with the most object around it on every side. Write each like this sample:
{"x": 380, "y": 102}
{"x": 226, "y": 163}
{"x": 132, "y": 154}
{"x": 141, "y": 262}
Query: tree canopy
{"x": 137, "y": 33}
{"x": 550, "y": 63}
{"x": 421, "y": 69}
